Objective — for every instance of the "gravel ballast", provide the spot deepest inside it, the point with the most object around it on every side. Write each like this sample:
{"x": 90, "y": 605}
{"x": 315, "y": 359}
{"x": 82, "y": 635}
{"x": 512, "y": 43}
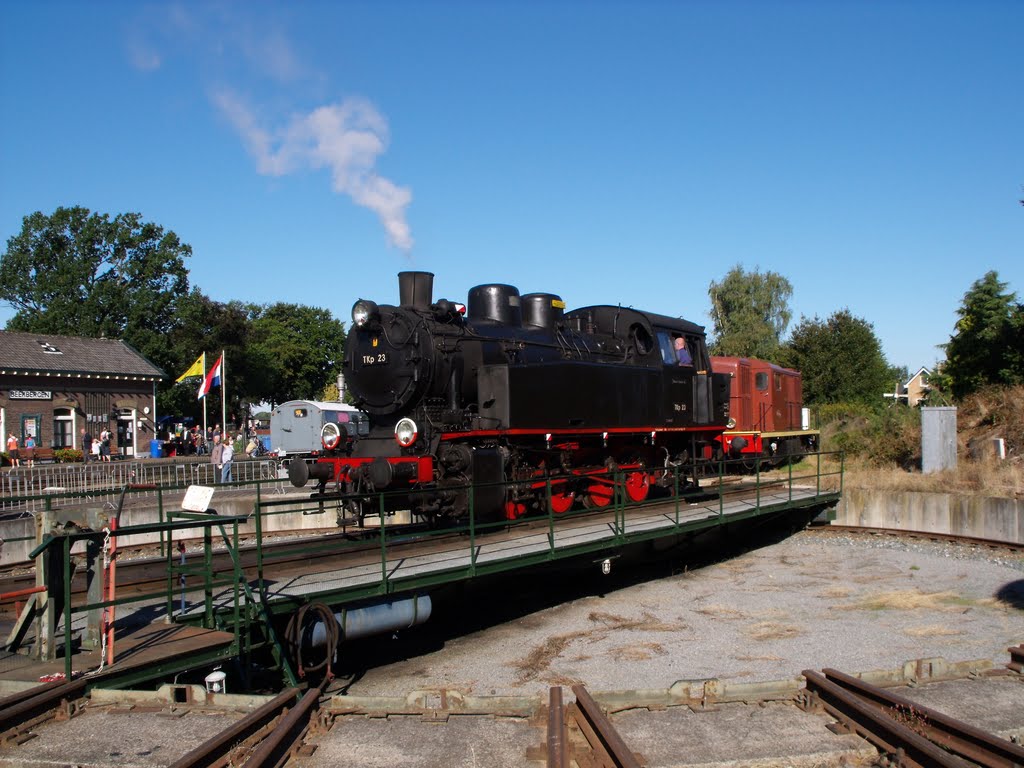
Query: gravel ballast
{"x": 813, "y": 600}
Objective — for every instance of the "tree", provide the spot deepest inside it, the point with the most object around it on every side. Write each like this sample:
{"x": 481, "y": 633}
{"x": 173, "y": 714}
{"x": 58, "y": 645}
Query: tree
{"x": 84, "y": 274}
{"x": 749, "y": 313}
{"x": 298, "y": 350}
{"x": 987, "y": 345}
{"x": 840, "y": 358}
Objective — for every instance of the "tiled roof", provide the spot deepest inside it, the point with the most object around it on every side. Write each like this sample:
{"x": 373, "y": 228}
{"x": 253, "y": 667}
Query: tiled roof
{"x": 71, "y": 355}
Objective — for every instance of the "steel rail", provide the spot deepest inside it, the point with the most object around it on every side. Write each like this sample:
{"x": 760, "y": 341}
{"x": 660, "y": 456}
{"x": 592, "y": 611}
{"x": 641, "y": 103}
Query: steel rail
{"x": 959, "y": 737}
{"x": 1016, "y": 662}
{"x": 27, "y": 705}
{"x": 287, "y": 732}
{"x": 558, "y": 753}
{"x": 900, "y": 532}
{"x": 908, "y": 748}
{"x": 602, "y": 728}
{"x": 218, "y": 746}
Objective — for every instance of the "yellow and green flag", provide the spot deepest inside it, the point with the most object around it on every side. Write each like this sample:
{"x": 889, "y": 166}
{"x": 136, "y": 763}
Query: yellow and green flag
{"x": 198, "y": 368}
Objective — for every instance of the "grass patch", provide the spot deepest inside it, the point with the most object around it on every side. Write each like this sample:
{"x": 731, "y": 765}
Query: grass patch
{"x": 910, "y": 600}
{"x": 836, "y": 593}
{"x": 771, "y": 630}
{"x": 721, "y": 612}
{"x": 883, "y": 446}
{"x": 932, "y": 630}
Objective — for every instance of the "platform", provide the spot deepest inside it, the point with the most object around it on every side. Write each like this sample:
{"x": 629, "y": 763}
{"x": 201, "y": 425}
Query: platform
{"x": 148, "y": 652}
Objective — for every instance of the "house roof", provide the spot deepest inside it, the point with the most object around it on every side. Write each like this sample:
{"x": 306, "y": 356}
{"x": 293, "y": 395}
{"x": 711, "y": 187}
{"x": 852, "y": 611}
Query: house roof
{"x": 921, "y": 370}
{"x": 74, "y": 356}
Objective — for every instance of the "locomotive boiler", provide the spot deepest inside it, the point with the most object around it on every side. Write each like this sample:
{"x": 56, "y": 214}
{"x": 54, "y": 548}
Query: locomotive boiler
{"x": 510, "y": 405}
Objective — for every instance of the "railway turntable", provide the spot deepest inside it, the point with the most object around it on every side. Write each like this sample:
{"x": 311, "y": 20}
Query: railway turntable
{"x": 229, "y": 593}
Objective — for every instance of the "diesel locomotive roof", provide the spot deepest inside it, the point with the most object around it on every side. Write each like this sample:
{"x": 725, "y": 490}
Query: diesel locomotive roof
{"x": 618, "y": 319}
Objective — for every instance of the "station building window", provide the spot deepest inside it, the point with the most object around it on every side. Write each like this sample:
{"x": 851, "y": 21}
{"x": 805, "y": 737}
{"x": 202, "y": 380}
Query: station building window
{"x": 63, "y": 428}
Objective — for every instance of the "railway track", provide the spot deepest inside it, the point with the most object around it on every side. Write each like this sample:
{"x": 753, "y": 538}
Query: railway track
{"x": 922, "y": 535}
{"x": 296, "y": 727}
{"x": 909, "y": 733}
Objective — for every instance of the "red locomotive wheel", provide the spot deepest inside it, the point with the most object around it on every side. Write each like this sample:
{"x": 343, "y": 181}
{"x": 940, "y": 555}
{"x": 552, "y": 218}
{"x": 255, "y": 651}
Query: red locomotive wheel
{"x": 598, "y": 495}
{"x": 638, "y": 485}
{"x": 562, "y": 502}
{"x": 514, "y": 509}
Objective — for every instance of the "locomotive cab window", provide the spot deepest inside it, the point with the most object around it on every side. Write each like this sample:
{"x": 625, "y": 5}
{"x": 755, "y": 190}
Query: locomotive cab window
{"x": 761, "y": 382}
{"x": 300, "y": 413}
{"x": 676, "y": 349}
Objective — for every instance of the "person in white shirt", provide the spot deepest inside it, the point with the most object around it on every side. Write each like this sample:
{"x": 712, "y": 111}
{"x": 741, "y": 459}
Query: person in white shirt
{"x": 226, "y": 457}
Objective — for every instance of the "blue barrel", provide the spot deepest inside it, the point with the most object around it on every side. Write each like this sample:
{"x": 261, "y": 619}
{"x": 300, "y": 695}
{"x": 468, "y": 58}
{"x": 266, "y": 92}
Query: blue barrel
{"x": 156, "y": 449}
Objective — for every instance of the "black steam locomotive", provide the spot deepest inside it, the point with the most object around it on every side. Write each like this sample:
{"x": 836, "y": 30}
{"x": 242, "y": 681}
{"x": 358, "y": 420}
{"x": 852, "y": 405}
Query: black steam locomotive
{"x": 517, "y": 405}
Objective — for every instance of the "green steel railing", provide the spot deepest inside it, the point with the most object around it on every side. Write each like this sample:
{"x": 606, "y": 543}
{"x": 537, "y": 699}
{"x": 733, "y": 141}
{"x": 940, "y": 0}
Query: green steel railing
{"x": 229, "y": 602}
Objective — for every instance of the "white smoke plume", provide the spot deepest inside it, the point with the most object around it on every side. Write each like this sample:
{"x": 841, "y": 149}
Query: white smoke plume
{"x": 346, "y": 138}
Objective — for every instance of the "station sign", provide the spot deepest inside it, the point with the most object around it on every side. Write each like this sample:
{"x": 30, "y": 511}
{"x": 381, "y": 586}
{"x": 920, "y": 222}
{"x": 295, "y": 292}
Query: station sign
{"x": 30, "y": 394}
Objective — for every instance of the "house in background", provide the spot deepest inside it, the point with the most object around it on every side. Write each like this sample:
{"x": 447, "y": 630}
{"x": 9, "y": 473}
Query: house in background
{"x": 52, "y": 386}
{"x": 917, "y": 387}
{"x": 913, "y": 391}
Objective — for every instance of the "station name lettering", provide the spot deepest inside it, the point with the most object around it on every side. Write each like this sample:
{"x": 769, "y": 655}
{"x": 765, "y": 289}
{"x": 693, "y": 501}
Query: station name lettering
{"x": 30, "y": 394}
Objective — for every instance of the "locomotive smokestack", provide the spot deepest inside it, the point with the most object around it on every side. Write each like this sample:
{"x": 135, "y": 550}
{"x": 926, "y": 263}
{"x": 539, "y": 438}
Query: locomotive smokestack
{"x": 415, "y": 289}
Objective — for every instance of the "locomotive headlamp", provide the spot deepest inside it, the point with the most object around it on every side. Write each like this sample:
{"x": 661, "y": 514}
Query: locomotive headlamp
{"x": 330, "y": 435}
{"x": 406, "y": 432}
{"x": 363, "y": 312}
{"x": 730, "y": 423}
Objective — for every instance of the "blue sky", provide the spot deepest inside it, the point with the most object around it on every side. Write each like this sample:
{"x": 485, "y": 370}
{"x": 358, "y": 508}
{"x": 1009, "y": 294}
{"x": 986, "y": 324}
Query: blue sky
{"x": 609, "y": 152}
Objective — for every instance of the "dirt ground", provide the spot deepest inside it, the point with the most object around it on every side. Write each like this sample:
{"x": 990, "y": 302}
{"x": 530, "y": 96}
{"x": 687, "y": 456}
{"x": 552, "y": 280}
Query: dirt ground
{"x": 812, "y": 600}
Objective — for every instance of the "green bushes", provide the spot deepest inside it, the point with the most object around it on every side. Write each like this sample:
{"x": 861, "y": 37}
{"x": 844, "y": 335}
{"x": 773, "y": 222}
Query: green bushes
{"x": 881, "y": 436}
{"x": 66, "y": 455}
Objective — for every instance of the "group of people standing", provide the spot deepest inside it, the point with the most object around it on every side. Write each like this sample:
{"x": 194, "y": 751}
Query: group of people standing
{"x": 95, "y": 449}
{"x": 222, "y": 456}
{"x": 15, "y": 454}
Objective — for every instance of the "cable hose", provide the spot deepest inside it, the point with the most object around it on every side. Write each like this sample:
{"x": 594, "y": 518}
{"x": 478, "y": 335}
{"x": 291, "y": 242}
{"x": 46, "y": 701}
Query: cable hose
{"x": 293, "y": 636}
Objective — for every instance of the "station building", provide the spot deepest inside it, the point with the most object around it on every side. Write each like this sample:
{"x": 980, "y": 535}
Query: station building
{"x": 52, "y": 386}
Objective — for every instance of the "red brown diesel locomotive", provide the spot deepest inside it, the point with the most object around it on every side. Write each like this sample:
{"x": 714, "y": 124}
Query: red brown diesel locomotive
{"x": 767, "y": 417}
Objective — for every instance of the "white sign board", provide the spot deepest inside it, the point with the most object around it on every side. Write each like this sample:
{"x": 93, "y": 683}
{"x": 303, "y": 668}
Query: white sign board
{"x": 197, "y": 498}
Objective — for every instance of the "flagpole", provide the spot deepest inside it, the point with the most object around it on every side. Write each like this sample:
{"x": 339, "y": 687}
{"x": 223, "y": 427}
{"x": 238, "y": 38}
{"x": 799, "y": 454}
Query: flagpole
{"x": 204, "y": 400}
{"x": 223, "y": 393}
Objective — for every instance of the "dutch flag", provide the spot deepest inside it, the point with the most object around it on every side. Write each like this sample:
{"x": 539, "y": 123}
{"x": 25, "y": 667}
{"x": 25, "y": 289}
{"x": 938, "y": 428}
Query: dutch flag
{"x": 212, "y": 379}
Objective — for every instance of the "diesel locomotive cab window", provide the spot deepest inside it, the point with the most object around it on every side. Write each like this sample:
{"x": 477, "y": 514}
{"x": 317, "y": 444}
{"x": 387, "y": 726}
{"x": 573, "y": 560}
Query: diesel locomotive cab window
{"x": 301, "y": 413}
{"x": 761, "y": 382}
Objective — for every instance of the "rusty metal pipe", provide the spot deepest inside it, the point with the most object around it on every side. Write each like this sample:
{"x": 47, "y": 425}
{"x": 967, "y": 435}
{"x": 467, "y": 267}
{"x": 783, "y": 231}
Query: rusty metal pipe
{"x": 20, "y": 593}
